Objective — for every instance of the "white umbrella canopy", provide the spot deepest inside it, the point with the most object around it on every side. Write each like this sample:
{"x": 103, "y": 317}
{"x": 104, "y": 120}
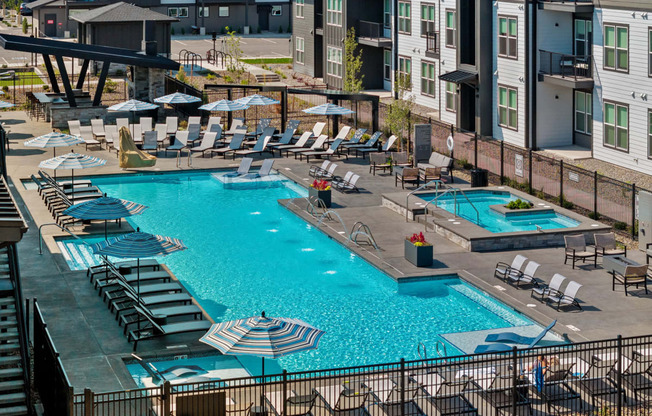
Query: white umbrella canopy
{"x": 329, "y": 110}
{"x": 72, "y": 161}
{"x": 132, "y": 105}
{"x": 54, "y": 140}
{"x": 224, "y": 105}
{"x": 177, "y": 98}
{"x": 257, "y": 100}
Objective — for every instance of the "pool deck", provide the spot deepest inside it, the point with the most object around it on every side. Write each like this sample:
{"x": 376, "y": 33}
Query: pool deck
{"x": 91, "y": 343}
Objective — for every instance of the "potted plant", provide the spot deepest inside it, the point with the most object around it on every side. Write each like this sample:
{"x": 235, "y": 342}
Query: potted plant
{"x": 321, "y": 190}
{"x": 418, "y": 251}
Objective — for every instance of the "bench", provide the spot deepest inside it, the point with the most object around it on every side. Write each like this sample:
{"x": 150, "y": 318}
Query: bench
{"x": 438, "y": 160}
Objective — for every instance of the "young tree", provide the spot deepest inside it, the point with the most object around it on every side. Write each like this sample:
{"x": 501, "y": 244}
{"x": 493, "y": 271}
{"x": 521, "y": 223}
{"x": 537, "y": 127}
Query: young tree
{"x": 398, "y": 119}
{"x": 25, "y": 25}
{"x": 233, "y": 49}
{"x": 352, "y": 63}
{"x": 181, "y": 75}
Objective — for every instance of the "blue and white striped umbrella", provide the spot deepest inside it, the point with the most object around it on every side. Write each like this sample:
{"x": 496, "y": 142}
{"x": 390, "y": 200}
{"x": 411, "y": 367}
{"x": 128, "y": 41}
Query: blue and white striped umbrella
{"x": 177, "y": 98}
{"x": 138, "y": 245}
{"x": 224, "y": 105}
{"x": 133, "y": 105}
{"x": 329, "y": 109}
{"x": 257, "y": 99}
{"x": 105, "y": 208}
{"x": 72, "y": 161}
{"x": 54, "y": 140}
{"x": 4, "y": 104}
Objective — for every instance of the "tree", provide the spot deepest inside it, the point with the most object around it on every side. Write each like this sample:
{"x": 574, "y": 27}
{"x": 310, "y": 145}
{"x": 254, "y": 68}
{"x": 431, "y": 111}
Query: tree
{"x": 181, "y": 75}
{"x": 352, "y": 63}
{"x": 24, "y": 26}
{"x": 233, "y": 49}
{"x": 398, "y": 118}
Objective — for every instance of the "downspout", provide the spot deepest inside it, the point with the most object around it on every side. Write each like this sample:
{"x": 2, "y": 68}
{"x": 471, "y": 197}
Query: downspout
{"x": 534, "y": 74}
{"x": 395, "y": 46}
{"x": 528, "y": 49}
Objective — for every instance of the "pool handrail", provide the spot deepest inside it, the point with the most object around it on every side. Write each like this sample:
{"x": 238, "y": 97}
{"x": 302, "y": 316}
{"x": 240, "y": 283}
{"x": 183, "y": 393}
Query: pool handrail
{"x": 437, "y": 182}
{"x": 360, "y": 228}
{"x": 454, "y": 191}
{"x": 40, "y": 239}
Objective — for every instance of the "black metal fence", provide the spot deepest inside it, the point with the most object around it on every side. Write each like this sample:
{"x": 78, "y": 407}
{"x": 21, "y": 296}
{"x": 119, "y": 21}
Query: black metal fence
{"x": 564, "y": 65}
{"x": 609, "y": 377}
{"x": 371, "y": 30}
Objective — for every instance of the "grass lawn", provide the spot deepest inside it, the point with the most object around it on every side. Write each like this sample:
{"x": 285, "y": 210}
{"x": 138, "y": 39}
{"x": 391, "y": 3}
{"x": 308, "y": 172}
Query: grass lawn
{"x": 259, "y": 61}
{"x": 28, "y": 78}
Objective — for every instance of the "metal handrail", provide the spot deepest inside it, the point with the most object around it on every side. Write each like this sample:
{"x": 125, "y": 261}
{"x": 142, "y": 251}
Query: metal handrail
{"x": 362, "y": 228}
{"x": 437, "y": 182}
{"x": 40, "y": 239}
{"x": 454, "y": 191}
{"x": 477, "y": 213}
{"x": 316, "y": 203}
{"x": 328, "y": 214}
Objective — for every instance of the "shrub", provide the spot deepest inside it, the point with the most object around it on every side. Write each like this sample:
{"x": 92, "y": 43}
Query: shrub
{"x": 619, "y": 225}
{"x": 5, "y": 88}
{"x": 280, "y": 73}
{"x": 240, "y": 30}
{"x": 567, "y": 204}
{"x": 110, "y": 85}
{"x": 244, "y": 82}
{"x": 4, "y": 65}
{"x": 228, "y": 79}
{"x": 223, "y": 31}
{"x": 519, "y": 204}
{"x": 46, "y": 88}
{"x": 183, "y": 124}
{"x": 594, "y": 215}
{"x": 210, "y": 76}
{"x": 24, "y": 25}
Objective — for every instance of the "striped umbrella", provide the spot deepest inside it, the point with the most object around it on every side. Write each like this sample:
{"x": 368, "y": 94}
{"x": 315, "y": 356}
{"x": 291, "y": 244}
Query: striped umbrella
{"x": 224, "y": 105}
{"x": 72, "y": 161}
{"x": 4, "y": 104}
{"x": 261, "y": 336}
{"x": 257, "y": 100}
{"x": 54, "y": 140}
{"x": 138, "y": 245}
{"x": 177, "y": 98}
{"x": 133, "y": 106}
{"x": 329, "y": 110}
{"x": 105, "y": 208}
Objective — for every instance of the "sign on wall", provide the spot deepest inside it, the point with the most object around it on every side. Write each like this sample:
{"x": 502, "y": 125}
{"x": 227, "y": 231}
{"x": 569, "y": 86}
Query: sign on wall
{"x": 422, "y": 145}
{"x": 574, "y": 176}
{"x": 518, "y": 165}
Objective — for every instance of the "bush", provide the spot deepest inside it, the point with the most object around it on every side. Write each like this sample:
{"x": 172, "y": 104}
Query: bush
{"x": 110, "y": 85}
{"x": 619, "y": 225}
{"x": 223, "y": 31}
{"x": 567, "y": 204}
{"x": 244, "y": 82}
{"x": 46, "y": 88}
{"x": 4, "y": 65}
{"x": 594, "y": 215}
{"x": 519, "y": 204}
{"x": 210, "y": 76}
{"x": 183, "y": 124}
{"x": 240, "y": 30}
{"x": 25, "y": 26}
{"x": 228, "y": 79}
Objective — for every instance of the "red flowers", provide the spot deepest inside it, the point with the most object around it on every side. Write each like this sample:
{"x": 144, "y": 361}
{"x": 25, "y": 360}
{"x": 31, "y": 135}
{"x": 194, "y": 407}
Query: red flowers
{"x": 418, "y": 239}
{"x": 321, "y": 185}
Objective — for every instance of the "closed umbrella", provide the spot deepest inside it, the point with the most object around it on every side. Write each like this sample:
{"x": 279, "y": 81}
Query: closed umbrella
{"x": 138, "y": 245}
{"x": 177, "y": 98}
{"x": 72, "y": 161}
{"x": 257, "y": 100}
{"x": 329, "y": 110}
{"x": 105, "y": 208}
{"x": 133, "y": 106}
{"x": 54, "y": 140}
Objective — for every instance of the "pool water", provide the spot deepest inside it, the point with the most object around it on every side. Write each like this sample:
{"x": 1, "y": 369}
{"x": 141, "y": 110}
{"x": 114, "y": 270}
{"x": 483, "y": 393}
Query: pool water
{"x": 496, "y": 222}
{"x": 247, "y": 254}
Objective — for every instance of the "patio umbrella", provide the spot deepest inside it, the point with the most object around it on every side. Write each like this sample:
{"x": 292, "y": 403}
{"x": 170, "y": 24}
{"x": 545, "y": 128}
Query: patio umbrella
{"x": 224, "y": 105}
{"x": 105, "y": 208}
{"x": 257, "y": 100}
{"x": 133, "y": 106}
{"x": 329, "y": 110}
{"x": 261, "y": 336}
{"x": 4, "y": 104}
{"x": 138, "y": 245}
{"x": 177, "y": 98}
{"x": 72, "y": 161}
{"x": 54, "y": 140}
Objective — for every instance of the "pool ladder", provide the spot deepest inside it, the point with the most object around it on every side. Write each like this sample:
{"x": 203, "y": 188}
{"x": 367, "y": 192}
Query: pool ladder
{"x": 437, "y": 182}
{"x": 440, "y": 350}
{"x": 40, "y": 234}
{"x": 456, "y": 209}
{"x": 358, "y": 229}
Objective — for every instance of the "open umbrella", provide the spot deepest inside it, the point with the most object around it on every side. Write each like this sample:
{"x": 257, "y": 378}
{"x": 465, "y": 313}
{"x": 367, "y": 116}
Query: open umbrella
{"x": 133, "y": 106}
{"x": 54, "y": 140}
{"x": 72, "y": 161}
{"x": 105, "y": 208}
{"x": 138, "y": 245}
{"x": 257, "y": 100}
{"x": 177, "y": 98}
{"x": 329, "y": 110}
{"x": 224, "y": 105}
{"x": 4, "y": 104}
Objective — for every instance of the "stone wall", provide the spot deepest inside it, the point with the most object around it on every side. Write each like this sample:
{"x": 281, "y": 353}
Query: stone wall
{"x": 59, "y": 115}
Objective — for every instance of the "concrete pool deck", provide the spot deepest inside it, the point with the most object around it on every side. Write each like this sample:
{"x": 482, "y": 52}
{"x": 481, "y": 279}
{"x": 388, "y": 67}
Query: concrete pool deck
{"x": 92, "y": 345}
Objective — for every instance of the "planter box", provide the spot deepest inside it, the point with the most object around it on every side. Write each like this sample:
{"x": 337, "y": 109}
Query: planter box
{"x": 323, "y": 195}
{"x": 420, "y": 256}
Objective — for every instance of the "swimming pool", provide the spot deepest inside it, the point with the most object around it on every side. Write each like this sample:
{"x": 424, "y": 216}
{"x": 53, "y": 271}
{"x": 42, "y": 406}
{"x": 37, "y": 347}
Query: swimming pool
{"x": 247, "y": 254}
{"x": 497, "y": 222}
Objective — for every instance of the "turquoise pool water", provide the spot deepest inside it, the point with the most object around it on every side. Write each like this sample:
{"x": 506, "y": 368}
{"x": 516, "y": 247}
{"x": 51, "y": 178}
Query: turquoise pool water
{"x": 247, "y": 254}
{"x": 496, "y": 222}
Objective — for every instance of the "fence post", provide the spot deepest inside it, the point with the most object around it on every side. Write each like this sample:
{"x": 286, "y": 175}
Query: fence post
{"x": 634, "y": 210}
{"x": 561, "y": 182}
{"x": 514, "y": 380}
{"x": 89, "y": 398}
{"x": 595, "y": 195}
{"x": 229, "y": 114}
{"x": 285, "y": 387}
{"x": 166, "y": 399}
{"x": 619, "y": 380}
{"x": 475, "y": 150}
{"x": 502, "y": 162}
{"x": 529, "y": 187}
{"x": 402, "y": 385}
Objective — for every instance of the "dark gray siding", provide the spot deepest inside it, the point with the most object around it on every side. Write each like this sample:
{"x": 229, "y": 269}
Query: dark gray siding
{"x": 372, "y": 57}
{"x": 334, "y": 37}
{"x": 305, "y": 28}
{"x": 39, "y": 20}
{"x": 127, "y": 35}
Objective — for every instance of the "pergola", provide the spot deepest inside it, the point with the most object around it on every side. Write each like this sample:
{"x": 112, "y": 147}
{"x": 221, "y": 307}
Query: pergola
{"x": 106, "y": 55}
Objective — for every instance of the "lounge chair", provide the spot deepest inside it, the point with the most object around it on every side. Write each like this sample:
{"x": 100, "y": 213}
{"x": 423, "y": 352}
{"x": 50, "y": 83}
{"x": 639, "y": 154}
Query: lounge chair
{"x": 111, "y": 277}
{"x": 243, "y": 169}
{"x": 145, "y": 124}
{"x": 86, "y": 133}
{"x": 49, "y": 183}
{"x": 447, "y": 396}
{"x": 336, "y": 399}
{"x": 333, "y": 150}
{"x": 384, "y": 149}
{"x": 236, "y": 125}
{"x": 264, "y": 170}
{"x": 193, "y": 133}
{"x": 318, "y": 144}
{"x": 502, "y": 338}
{"x": 634, "y": 276}
{"x": 503, "y": 270}
{"x": 150, "y": 141}
{"x": 293, "y": 405}
{"x": 300, "y": 144}
{"x": 499, "y": 394}
{"x": 315, "y": 170}
{"x": 136, "y": 133}
{"x": 328, "y": 174}
{"x": 180, "y": 143}
{"x": 111, "y": 136}
{"x": 97, "y": 126}
{"x": 236, "y": 144}
{"x": 131, "y": 264}
{"x": 127, "y": 319}
{"x": 568, "y": 298}
{"x": 388, "y": 391}
{"x": 118, "y": 293}
{"x": 155, "y": 330}
{"x": 317, "y": 129}
{"x": 127, "y": 304}
{"x": 371, "y": 143}
{"x": 263, "y": 124}
{"x": 637, "y": 376}
{"x": 556, "y": 388}
{"x": 207, "y": 144}
{"x": 596, "y": 381}
{"x": 73, "y": 127}
{"x": 526, "y": 277}
{"x": 576, "y": 249}
{"x": 406, "y": 175}
{"x": 553, "y": 288}
{"x": 342, "y": 134}
{"x": 267, "y": 131}
{"x": 605, "y": 245}
{"x": 347, "y": 185}
{"x": 161, "y": 134}
{"x": 285, "y": 138}
{"x": 172, "y": 124}
{"x": 122, "y": 122}
{"x": 213, "y": 121}
{"x": 194, "y": 120}
{"x": 260, "y": 147}
{"x": 339, "y": 179}
{"x": 357, "y": 137}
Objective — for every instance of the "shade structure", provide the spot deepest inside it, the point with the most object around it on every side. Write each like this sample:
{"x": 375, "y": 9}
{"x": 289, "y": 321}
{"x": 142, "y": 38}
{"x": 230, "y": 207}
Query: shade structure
{"x": 257, "y": 100}
{"x": 72, "y": 161}
{"x": 329, "y": 110}
{"x": 132, "y": 105}
{"x": 224, "y": 105}
{"x": 105, "y": 208}
{"x": 177, "y": 98}
{"x": 4, "y": 104}
{"x": 54, "y": 140}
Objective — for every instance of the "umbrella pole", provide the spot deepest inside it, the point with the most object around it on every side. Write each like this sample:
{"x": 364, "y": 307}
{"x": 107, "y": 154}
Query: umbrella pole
{"x": 262, "y": 381}
{"x": 54, "y": 149}
{"x": 138, "y": 285}
{"x": 105, "y": 231}
{"x": 72, "y": 184}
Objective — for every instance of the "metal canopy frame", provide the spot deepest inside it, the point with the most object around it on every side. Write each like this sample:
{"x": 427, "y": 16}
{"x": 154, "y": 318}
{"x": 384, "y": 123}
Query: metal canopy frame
{"x": 105, "y": 54}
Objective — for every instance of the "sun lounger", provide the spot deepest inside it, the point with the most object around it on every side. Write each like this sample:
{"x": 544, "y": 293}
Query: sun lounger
{"x": 337, "y": 400}
{"x": 356, "y": 139}
{"x": 193, "y": 133}
{"x": 368, "y": 144}
{"x": 97, "y": 127}
{"x": 446, "y": 395}
{"x": 300, "y": 144}
{"x": 236, "y": 144}
{"x": 136, "y": 133}
{"x": 264, "y": 170}
{"x": 192, "y": 311}
{"x": 118, "y": 294}
{"x": 111, "y": 136}
{"x": 213, "y": 121}
{"x": 347, "y": 186}
{"x": 86, "y": 133}
{"x": 568, "y": 298}
{"x": 556, "y": 388}
{"x": 333, "y": 150}
{"x": 315, "y": 170}
{"x": 194, "y": 120}
{"x": 150, "y": 301}
{"x": 342, "y": 134}
{"x": 150, "y": 141}
{"x": 207, "y": 144}
{"x": 385, "y": 148}
{"x": 155, "y": 330}
{"x": 172, "y": 124}
{"x": 525, "y": 278}
{"x": 504, "y": 270}
{"x": 63, "y": 183}
{"x": 267, "y": 131}
{"x": 263, "y": 124}
{"x": 132, "y": 264}
{"x": 110, "y": 279}
{"x": 145, "y": 124}
{"x": 285, "y": 138}
{"x": 597, "y": 382}
{"x": 243, "y": 169}
{"x": 576, "y": 250}
{"x": 553, "y": 288}
{"x": 180, "y": 143}
{"x": 293, "y": 405}
{"x": 388, "y": 391}
{"x": 260, "y": 147}
{"x": 317, "y": 145}
{"x": 317, "y": 129}
{"x": 499, "y": 393}
{"x": 73, "y": 127}
{"x": 236, "y": 125}
{"x": 510, "y": 337}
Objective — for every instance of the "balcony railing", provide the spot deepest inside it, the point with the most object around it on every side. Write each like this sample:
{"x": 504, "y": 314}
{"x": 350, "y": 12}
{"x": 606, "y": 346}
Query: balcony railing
{"x": 432, "y": 43}
{"x": 565, "y": 65}
{"x": 371, "y": 30}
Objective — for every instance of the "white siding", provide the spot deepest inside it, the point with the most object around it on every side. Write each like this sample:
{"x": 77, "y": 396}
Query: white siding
{"x": 623, "y": 88}
{"x": 511, "y": 73}
{"x": 447, "y": 60}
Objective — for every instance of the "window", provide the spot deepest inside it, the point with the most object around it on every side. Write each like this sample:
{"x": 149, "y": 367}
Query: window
{"x": 583, "y": 112}
{"x": 616, "y": 47}
{"x": 203, "y": 11}
{"x": 649, "y": 134}
{"x": 507, "y": 37}
{"x": 428, "y": 78}
{"x": 334, "y": 61}
{"x": 616, "y": 126}
{"x": 427, "y": 19}
{"x": 277, "y": 10}
{"x": 404, "y": 17}
{"x": 334, "y": 12}
{"x": 649, "y": 42}
{"x": 451, "y": 28}
{"x": 299, "y": 46}
{"x": 583, "y": 37}
{"x": 404, "y": 69}
{"x": 508, "y": 107}
{"x": 300, "y": 4}
{"x": 178, "y": 11}
{"x": 387, "y": 64}
{"x": 223, "y": 11}
{"x": 387, "y": 14}
{"x": 451, "y": 97}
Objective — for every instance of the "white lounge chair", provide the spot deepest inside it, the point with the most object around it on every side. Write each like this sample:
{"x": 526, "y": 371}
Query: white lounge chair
{"x": 236, "y": 144}
{"x": 213, "y": 121}
{"x": 97, "y": 125}
{"x": 264, "y": 170}
{"x": 316, "y": 146}
{"x": 552, "y": 288}
{"x": 568, "y": 298}
{"x": 260, "y": 147}
{"x": 527, "y": 277}
{"x": 315, "y": 170}
{"x": 243, "y": 169}
{"x": 194, "y": 120}
{"x": 161, "y": 133}
{"x": 86, "y": 133}
{"x": 146, "y": 123}
{"x": 207, "y": 144}
{"x": 73, "y": 127}
{"x": 504, "y": 270}
{"x": 172, "y": 124}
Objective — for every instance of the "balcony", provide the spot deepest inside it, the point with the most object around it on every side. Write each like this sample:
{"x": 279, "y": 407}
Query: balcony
{"x": 432, "y": 45}
{"x": 566, "y": 70}
{"x": 570, "y": 6}
{"x": 373, "y": 34}
{"x": 319, "y": 24}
